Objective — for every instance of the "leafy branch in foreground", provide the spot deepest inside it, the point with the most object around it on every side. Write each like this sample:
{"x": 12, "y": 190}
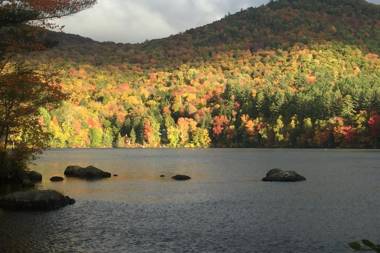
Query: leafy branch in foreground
{"x": 365, "y": 245}
{"x": 23, "y": 92}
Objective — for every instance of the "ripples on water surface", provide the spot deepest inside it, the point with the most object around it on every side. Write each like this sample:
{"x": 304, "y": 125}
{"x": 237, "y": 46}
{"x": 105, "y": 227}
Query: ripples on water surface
{"x": 224, "y": 208}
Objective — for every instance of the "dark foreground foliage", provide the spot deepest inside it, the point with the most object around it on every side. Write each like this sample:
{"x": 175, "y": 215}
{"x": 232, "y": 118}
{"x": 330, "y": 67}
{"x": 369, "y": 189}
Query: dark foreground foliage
{"x": 365, "y": 245}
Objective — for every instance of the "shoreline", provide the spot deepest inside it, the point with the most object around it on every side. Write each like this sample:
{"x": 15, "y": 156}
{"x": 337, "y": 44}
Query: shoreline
{"x": 214, "y": 148}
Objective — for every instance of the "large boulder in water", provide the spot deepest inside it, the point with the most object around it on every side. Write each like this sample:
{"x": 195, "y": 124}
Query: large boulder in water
{"x": 90, "y": 172}
{"x": 181, "y": 177}
{"x": 278, "y": 175}
{"x": 35, "y": 201}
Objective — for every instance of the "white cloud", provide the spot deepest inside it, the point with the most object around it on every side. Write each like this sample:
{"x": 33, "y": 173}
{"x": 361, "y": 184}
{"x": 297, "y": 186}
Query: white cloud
{"x": 139, "y": 20}
{"x": 120, "y": 21}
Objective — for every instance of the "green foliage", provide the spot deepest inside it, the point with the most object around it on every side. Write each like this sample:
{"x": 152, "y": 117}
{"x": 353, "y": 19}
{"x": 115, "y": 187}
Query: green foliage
{"x": 132, "y": 136}
{"x": 365, "y": 245}
{"x": 96, "y": 137}
{"x": 201, "y": 138}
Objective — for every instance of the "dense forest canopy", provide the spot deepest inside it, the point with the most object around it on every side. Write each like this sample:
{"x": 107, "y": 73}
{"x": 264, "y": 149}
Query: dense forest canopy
{"x": 292, "y": 73}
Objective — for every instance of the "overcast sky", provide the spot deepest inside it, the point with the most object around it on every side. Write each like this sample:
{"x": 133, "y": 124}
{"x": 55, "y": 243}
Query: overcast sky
{"x": 140, "y": 20}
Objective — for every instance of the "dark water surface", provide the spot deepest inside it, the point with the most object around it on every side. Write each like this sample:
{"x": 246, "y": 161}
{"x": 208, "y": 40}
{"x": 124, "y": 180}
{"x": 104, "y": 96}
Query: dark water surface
{"x": 224, "y": 208}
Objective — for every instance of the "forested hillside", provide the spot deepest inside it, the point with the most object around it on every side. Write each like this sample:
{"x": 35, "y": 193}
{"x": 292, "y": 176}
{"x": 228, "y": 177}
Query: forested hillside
{"x": 293, "y": 73}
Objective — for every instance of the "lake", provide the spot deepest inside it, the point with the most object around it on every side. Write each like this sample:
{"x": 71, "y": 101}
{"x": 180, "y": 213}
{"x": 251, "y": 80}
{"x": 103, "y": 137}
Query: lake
{"x": 224, "y": 208}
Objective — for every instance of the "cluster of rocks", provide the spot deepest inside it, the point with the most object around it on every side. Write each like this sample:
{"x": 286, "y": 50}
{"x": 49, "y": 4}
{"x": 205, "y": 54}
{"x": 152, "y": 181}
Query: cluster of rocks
{"x": 88, "y": 173}
{"x": 46, "y": 200}
{"x": 38, "y": 200}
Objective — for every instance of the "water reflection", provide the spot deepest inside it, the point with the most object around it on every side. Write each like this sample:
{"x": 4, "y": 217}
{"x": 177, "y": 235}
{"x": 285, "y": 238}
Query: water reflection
{"x": 224, "y": 208}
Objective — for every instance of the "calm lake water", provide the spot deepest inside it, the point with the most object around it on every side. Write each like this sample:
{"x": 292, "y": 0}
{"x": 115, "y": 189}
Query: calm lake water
{"x": 224, "y": 208}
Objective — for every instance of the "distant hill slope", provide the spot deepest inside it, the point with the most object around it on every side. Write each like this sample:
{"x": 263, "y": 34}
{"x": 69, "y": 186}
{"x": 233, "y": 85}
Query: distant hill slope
{"x": 293, "y": 73}
{"x": 280, "y": 24}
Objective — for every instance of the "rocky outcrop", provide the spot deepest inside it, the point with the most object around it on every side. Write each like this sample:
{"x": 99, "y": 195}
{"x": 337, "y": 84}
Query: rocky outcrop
{"x": 89, "y": 173}
{"x": 181, "y": 177}
{"x": 35, "y": 201}
{"x": 278, "y": 175}
{"x": 56, "y": 179}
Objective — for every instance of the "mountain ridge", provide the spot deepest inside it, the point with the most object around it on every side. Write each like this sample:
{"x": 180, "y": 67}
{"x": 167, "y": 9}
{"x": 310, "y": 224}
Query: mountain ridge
{"x": 248, "y": 30}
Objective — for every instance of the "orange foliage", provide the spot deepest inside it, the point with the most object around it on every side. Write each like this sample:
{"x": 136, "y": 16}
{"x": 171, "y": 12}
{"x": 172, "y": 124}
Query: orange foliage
{"x": 219, "y": 124}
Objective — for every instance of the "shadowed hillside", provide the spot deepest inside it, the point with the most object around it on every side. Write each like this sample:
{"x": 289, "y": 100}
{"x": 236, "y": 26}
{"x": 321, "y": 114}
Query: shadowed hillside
{"x": 280, "y": 24}
{"x": 289, "y": 74}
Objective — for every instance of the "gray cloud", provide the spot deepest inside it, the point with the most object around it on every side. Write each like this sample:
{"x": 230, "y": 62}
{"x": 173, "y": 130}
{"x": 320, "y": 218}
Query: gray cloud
{"x": 139, "y": 20}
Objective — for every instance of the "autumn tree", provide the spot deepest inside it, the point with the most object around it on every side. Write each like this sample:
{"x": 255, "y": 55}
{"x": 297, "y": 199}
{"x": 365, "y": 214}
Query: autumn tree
{"x": 23, "y": 91}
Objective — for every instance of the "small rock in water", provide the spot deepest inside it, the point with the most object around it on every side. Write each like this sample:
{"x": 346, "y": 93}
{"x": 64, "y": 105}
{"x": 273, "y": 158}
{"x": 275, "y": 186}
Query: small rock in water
{"x": 89, "y": 172}
{"x": 35, "y": 201}
{"x": 56, "y": 179}
{"x": 278, "y": 175}
{"x": 162, "y": 176}
{"x": 115, "y": 175}
{"x": 181, "y": 177}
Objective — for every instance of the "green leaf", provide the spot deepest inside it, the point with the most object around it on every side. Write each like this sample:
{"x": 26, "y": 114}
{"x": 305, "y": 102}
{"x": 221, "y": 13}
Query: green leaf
{"x": 369, "y": 244}
{"x": 355, "y": 246}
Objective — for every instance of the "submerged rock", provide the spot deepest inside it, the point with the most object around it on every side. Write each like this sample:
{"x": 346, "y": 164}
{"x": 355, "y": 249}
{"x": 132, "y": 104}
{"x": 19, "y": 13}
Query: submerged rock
{"x": 278, "y": 175}
{"x": 35, "y": 201}
{"x": 56, "y": 179}
{"x": 181, "y": 177}
{"x": 89, "y": 172}
{"x": 162, "y": 176}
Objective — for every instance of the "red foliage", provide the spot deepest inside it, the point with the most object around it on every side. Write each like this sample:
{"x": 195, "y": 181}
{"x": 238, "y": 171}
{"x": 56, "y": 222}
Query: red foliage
{"x": 374, "y": 124}
{"x": 348, "y": 132}
{"x": 58, "y": 8}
